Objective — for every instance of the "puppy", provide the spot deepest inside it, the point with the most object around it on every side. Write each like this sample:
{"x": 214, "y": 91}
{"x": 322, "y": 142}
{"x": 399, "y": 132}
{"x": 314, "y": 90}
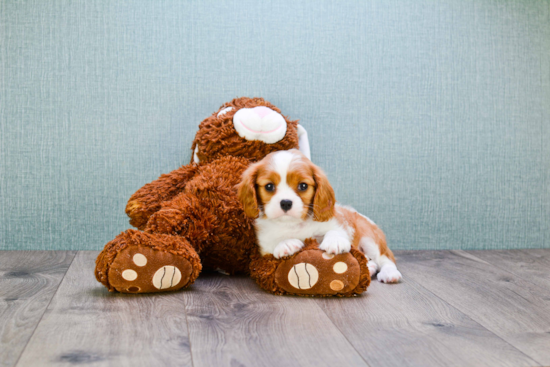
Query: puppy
{"x": 292, "y": 200}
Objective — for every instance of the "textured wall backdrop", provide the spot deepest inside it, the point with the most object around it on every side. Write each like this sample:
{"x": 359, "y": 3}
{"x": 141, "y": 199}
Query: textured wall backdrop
{"x": 433, "y": 118}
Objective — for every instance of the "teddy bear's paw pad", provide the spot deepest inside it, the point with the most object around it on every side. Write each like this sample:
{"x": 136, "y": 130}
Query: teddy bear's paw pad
{"x": 315, "y": 272}
{"x": 139, "y": 269}
{"x": 303, "y": 276}
{"x": 166, "y": 277}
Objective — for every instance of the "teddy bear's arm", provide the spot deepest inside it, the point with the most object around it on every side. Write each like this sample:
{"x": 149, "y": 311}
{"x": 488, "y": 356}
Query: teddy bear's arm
{"x": 148, "y": 200}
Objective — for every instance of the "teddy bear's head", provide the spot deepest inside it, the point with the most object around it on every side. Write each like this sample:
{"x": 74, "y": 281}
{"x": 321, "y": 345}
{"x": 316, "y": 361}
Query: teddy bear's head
{"x": 247, "y": 127}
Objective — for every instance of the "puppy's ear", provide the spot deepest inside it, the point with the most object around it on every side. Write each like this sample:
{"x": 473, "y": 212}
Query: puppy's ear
{"x": 247, "y": 191}
{"x": 324, "y": 199}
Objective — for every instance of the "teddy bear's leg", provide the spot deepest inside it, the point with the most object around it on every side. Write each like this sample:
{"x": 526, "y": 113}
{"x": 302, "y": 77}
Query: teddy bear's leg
{"x": 187, "y": 216}
{"x": 214, "y": 224}
{"x": 313, "y": 272}
{"x": 138, "y": 262}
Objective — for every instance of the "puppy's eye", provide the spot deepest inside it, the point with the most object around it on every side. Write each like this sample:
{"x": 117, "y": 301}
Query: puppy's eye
{"x": 270, "y": 187}
{"x": 302, "y": 186}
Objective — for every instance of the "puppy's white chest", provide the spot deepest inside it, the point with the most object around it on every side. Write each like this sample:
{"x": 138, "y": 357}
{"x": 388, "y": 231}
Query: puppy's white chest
{"x": 272, "y": 232}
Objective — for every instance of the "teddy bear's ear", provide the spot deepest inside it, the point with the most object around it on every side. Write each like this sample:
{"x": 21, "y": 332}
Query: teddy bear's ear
{"x": 195, "y": 157}
{"x": 247, "y": 191}
{"x": 303, "y": 141}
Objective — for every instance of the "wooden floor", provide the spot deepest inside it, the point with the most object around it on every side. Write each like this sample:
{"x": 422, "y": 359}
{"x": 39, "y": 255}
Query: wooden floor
{"x": 454, "y": 308}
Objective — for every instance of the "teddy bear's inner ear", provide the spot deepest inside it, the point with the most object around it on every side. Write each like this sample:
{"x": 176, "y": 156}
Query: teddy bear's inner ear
{"x": 224, "y": 111}
{"x": 195, "y": 155}
{"x": 303, "y": 142}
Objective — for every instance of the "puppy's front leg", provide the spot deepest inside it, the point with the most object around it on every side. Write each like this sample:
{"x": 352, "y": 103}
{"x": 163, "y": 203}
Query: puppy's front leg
{"x": 336, "y": 241}
{"x": 287, "y": 248}
{"x": 388, "y": 271}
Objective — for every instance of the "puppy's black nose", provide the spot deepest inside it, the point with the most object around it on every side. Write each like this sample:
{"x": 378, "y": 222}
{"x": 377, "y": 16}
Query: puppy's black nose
{"x": 286, "y": 205}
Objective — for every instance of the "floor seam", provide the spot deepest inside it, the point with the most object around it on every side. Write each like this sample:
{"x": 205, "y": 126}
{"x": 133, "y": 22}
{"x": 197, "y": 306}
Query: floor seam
{"x": 414, "y": 282}
{"x": 46, "y": 309}
{"x": 188, "y": 330}
{"x": 341, "y": 333}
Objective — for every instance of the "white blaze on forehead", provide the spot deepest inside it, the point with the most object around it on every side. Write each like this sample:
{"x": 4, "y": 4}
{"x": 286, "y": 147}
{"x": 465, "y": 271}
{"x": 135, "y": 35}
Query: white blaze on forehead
{"x": 260, "y": 123}
{"x": 281, "y": 163}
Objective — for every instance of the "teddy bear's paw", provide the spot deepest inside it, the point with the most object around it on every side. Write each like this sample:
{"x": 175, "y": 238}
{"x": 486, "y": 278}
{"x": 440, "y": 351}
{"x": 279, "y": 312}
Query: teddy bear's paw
{"x": 315, "y": 272}
{"x": 138, "y": 269}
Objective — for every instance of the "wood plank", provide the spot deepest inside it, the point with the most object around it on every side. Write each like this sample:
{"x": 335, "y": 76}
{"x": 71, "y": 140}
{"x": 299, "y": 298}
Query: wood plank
{"x": 232, "y": 322}
{"x": 85, "y": 324}
{"x": 510, "y": 307}
{"x": 529, "y": 265}
{"x": 406, "y": 325}
{"x": 28, "y": 281}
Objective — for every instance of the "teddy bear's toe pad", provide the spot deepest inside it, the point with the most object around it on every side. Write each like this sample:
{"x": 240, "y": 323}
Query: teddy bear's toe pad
{"x": 314, "y": 272}
{"x": 138, "y": 269}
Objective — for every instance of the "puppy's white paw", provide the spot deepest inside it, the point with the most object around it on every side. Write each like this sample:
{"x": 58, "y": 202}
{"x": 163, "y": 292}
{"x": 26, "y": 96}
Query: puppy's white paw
{"x": 287, "y": 248}
{"x": 389, "y": 274}
{"x": 335, "y": 245}
{"x": 373, "y": 268}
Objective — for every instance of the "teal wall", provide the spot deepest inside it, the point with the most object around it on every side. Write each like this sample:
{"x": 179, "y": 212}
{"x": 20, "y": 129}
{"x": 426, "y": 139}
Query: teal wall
{"x": 431, "y": 117}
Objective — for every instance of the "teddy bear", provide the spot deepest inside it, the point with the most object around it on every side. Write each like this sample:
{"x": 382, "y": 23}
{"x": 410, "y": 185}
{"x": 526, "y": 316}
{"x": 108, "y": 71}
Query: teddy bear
{"x": 191, "y": 218}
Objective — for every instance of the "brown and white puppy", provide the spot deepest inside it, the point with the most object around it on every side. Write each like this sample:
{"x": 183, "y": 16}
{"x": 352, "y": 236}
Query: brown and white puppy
{"x": 292, "y": 200}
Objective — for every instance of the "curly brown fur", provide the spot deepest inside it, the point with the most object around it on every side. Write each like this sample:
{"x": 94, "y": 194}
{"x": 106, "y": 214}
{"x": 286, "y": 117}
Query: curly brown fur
{"x": 209, "y": 214}
{"x": 217, "y": 137}
{"x": 148, "y": 200}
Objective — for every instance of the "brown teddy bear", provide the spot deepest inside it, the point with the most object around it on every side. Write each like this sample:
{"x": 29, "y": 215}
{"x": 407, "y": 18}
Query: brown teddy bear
{"x": 192, "y": 219}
